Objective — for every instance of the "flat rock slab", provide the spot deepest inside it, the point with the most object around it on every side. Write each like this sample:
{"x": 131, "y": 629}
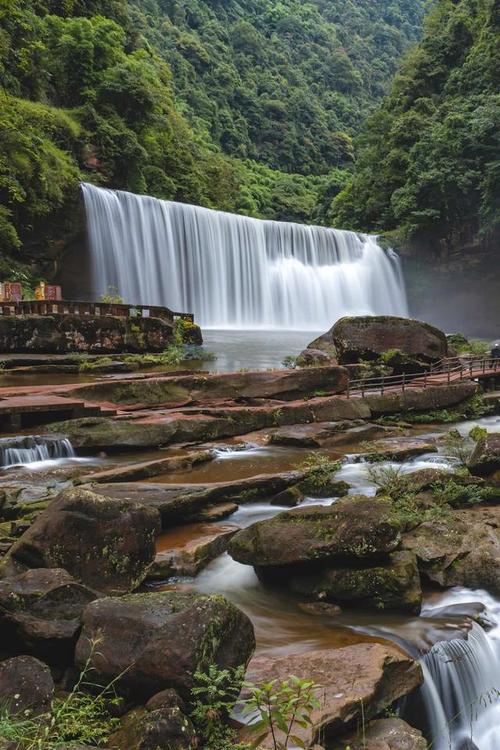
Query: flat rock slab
{"x": 189, "y": 502}
{"x": 146, "y": 469}
{"x": 398, "y": 448}
{"x": 326, "y": 434}
{"x": 188, "y": 549}
{"x": 365, "y": 677}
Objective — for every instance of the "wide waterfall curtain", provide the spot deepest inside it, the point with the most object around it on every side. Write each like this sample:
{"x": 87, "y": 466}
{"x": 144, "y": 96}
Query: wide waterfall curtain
{"x": 235, "y": 271}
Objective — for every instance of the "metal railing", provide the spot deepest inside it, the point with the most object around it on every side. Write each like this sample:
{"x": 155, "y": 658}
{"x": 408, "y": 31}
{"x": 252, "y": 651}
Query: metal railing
{"x": 469, "y": 369}
{"x": 70, "y": 307}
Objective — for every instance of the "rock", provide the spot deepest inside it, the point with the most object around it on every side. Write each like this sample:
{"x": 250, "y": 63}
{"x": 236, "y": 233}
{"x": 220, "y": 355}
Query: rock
{"x": 416, "y": 399}
{"x": 165, "y": 726}
{"x": 325, "y": 609}
{"x": 316, "y": 435}
{"x": 394, "y": 585}
{"x": 398, "y": 449}
{"x": 147, "y": 469}
{"x": 387, "y": 734}
{"x": 315, "y": 358}
{"x": 289, "y": 498}
{"x": 367, "y": 337}
{"x": 190, "y": 502}
{"x": 105, "y": 543}
{"x": 103, "y": 334}
{"x": 485, "y": 459}
{"x": 183, "y": 390}
{"x": 356, "y": 683}
{"x": 217, "y": 512}
{"x": 166, "y": 697}
{"x": 185, "y": 551}
{"x": 460, "y": 549}
{"x": 41, "y": 612}
{"x": 355, "y": 527}
{"x": 424, "y": 479}
{"x": 159, "y": 640}
{"x": 26, "y": 686}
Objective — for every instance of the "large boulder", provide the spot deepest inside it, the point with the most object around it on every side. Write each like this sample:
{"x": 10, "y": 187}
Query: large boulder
{"x": 154, "y": 641}
{"x": 368, "y": 337}
{"x": 355, "y": 683}
{"x": 485, "y": 459}
{"x": 105, "y": 543}
{"x": 355, "y": 528}
{"x": 394, "y": 585}
{"x": 41, "y": 613}
{"x": 26, "y": 686}
{"x": 461, "y": 548}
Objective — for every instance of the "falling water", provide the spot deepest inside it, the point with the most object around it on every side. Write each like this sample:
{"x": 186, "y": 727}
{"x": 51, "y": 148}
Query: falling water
{"x": 23, "y": 450}
{"x": 235, "y": 271}
{"x": 461, "y": 692}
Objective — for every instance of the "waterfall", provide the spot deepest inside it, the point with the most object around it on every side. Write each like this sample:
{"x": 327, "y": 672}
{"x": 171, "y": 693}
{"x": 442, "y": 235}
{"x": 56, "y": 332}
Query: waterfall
{"x": 461, "y": 691}
{"x": 234, "y": 271}
{"x": 27, "y": 449}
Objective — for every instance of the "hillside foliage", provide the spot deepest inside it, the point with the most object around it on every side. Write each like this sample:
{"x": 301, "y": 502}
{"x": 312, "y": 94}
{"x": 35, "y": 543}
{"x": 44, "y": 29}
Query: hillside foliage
{"x": 428, "y": 159}
{"x": 242, "y": 106}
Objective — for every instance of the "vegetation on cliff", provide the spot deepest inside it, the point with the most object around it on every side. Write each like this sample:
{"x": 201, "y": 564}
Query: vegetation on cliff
{"x": 428, "y": 157}
{"x": 247, "y": 107}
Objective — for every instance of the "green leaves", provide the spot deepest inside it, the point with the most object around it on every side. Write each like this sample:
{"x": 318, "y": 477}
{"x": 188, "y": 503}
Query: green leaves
{"x": 278, "y": 709}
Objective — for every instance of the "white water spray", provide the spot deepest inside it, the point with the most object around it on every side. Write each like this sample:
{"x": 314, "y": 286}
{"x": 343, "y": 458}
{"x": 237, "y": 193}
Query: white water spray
{"x": 28, "y": 449}
{"x": 234, "y": 271}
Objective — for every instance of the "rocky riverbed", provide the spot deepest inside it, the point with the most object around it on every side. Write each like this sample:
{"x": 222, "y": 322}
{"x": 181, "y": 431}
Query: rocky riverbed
{"x": 255, "y": 520}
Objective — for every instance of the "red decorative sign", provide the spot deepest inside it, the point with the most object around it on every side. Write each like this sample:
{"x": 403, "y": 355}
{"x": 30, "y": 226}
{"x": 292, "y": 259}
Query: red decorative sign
{"x": 13, "y": 291}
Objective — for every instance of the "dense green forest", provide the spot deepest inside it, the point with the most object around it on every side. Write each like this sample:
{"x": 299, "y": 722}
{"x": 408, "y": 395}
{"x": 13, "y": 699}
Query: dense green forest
{"x": 242, "y": 106}
{"x": 428, "y": 160}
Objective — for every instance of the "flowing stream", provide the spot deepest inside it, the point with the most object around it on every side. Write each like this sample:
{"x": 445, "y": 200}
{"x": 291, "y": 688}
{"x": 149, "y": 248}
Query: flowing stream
{"x": 235, "y": 271}
{"x": 458, "y": 706}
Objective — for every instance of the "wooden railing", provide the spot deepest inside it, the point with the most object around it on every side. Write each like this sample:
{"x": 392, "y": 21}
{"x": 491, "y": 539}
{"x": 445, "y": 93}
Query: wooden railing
{"x": 469, "y": 369}
{"x": 68, "y": 307}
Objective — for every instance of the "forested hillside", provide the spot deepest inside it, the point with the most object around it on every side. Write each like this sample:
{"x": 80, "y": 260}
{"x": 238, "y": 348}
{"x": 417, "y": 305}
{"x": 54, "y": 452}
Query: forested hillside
{"x": 247, "y": 106}
{"x": 428, "y": 161}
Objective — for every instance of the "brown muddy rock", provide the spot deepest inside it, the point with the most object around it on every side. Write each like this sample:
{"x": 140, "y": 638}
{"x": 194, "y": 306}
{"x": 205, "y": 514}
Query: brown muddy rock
{"x": 159, "y": 640}
{"x": 365, "y": 677}
{"x": 217, "y": 512}
{"x": 41, "y": 613}
{"x": 486, "y": 457}
{"x": 460, "y": 549}
{"x": 26, "y": 686}
{"x": 186, "y": 551}
{"x": 103, "y": 334}
{"x": 355, "y": 527}
{"x": 105, "y": 543}
{"x": 394, "y": 585}
{"x": 367, "y": 337}
{"x": 315, "y": 358}
{"x": 387, "y": 734}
